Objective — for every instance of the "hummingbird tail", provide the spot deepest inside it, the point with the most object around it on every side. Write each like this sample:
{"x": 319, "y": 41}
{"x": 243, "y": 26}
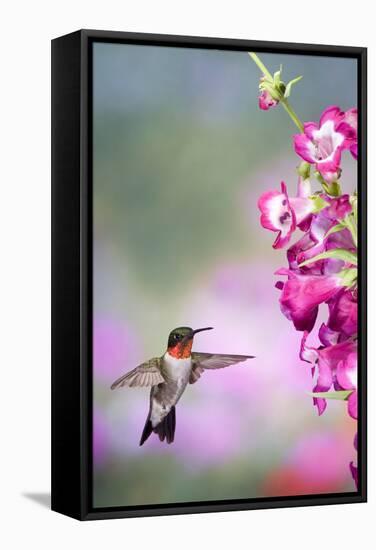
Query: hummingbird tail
{"x": 165, "y": 429}
{"x": 148, "y": 428}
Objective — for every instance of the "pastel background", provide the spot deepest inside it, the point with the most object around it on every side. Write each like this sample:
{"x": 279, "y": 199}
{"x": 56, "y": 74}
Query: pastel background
{"x": 181, "y": 154}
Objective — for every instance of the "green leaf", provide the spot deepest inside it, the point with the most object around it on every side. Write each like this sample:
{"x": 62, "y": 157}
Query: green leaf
{"x": 354, "y": 204}
{"x": 349, "y": 276}
{"x": 318, "y": 203}
{"x": 333, "y": 189}
{"x": 277, "y": 78}
{"x": 334, "y": 229}
{"x": 304, "y": 170}
{"x": 340, "y": 395}
{"x": 291, "y": 84}
{"x": 282, "y": 88}
{"x": 337, "y": 253}
{"x": 351, "y": 225}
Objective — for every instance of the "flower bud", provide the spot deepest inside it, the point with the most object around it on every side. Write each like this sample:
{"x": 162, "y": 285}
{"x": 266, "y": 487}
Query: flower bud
{"x": 266, "y": 101}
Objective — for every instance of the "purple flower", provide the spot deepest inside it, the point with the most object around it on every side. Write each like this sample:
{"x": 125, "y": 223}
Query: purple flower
{"x": 302, "y": 294}
{"x": 322, "y": 144}
{"x": 266, "y": 101}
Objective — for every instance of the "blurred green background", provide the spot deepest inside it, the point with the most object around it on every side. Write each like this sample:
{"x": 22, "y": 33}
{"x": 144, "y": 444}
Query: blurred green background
{"x": 181, "y": 155}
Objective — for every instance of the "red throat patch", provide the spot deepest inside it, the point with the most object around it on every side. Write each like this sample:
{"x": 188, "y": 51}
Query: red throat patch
{"x": 181, "y": 350}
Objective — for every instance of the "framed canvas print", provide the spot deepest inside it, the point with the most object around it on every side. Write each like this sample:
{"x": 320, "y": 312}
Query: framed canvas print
{"x": 208, "y": 274}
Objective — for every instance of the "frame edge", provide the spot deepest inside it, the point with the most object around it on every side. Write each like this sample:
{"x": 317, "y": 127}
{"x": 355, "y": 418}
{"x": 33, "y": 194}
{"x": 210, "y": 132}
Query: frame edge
{"x": 65, "y": 272}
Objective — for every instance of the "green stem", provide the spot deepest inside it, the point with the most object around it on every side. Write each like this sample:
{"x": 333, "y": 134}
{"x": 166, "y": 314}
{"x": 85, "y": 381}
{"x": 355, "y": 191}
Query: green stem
{"x": 294, "y": 117}
{"x": 260, "y": 64}
{"x": 349, "y": 221}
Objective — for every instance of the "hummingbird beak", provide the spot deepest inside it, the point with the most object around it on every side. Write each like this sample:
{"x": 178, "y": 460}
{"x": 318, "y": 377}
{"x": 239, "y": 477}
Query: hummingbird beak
{"x": 201, "y": 330}
{"x": 191, "y": 334}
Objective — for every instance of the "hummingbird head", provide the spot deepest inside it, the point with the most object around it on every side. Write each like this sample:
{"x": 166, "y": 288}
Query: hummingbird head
{"x": 180, "y": 341}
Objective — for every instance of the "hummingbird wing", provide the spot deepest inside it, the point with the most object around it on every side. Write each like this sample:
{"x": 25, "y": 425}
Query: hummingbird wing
{"x": 146, "y": 374}
{"x": 203, "y": 361}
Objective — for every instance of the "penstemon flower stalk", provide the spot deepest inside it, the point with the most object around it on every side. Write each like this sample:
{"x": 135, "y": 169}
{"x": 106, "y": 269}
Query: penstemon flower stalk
{"x": 322, "y": 263}
{"x": 279, "y": 89}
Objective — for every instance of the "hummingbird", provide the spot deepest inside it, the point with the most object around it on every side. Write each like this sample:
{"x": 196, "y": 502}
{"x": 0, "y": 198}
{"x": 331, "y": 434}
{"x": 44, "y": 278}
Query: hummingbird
{"x": 168, "y": 377}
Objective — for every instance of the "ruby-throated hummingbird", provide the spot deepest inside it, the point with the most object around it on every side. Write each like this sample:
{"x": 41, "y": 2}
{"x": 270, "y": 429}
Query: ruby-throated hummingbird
{"x": 168, "y": 377}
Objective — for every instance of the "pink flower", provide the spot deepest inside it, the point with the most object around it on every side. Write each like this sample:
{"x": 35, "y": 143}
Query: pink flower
{"x": 336, "y": 366}
{"x": 322, "y": 144}
{"x": 282, "y": 214}
{"x": 322, "y": 267}
{"x": 277, "y": 215}
{"x": 343, "y": 316}
{"x": 354, "y": 473}
{"x": 266, "y": 101}
{"x": 327, "y": 336}
{"x": 347, "y": 371}
{"x": 353, "y": 468}
{"x": 338, "y": 208}
{"x": 302, "y": 294}
{"x": 315, "y": 240}
{"x": 354, "y": 150}
{"x": 350, "y": 125}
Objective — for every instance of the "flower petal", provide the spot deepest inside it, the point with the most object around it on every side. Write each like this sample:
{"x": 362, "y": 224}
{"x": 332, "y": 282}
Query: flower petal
{"x": 277, "y": 215}
{"x": 343, "y": 316}
{"x": 330, "y": 113}
{"x": 302, "y": 294}
{"x": 353, "y": 405}
{"x": 327, "y": 336}
{"x": 304, "y": 148}
{"x": 304, "y": 188}
{"x": 295, "y": 254}
{"x": 307, "y": 353}
{"x": 339, "y": 208}
{"x": 266, "y": 101}
{"x": 347, "y": 372}
{"x": 330, "y": 164}
{"x": 322, "y": 144}
{"x": 354, "y": 150}
{"x": 354, "y": 473}
{"x": 333, "y": 355}
{"x": 309, "y": 128}
{"x": 351, "y": 118}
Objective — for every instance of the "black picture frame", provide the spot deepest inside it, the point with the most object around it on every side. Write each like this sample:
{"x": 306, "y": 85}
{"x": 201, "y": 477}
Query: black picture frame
{"x": 72, "y": 467}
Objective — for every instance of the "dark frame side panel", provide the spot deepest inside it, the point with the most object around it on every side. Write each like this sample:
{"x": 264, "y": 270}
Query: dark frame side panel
{"x": 72, "y": 274}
